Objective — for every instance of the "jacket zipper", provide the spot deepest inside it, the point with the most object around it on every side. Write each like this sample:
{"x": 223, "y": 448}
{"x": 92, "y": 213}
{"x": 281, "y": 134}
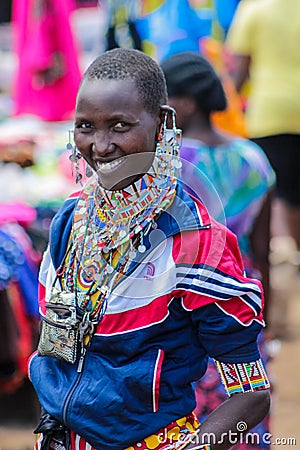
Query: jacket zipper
{"x": 78, "y": 378}
{"x": 83, "y": 329}
{"x": 69, "y": 396}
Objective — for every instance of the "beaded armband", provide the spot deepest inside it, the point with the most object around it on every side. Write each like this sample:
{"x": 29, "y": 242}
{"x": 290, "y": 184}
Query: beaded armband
{"x": 243, "y": 377}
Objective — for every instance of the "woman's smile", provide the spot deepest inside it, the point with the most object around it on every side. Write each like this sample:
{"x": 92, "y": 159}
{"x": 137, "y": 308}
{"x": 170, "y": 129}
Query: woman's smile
{"x": 106, "y": 167}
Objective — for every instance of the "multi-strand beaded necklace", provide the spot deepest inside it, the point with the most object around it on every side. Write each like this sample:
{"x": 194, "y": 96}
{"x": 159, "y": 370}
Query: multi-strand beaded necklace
{"x": 107, "y": 233}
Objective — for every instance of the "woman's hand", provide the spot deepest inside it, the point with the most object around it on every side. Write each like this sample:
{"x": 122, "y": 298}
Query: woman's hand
{"x": 222, "y": 427}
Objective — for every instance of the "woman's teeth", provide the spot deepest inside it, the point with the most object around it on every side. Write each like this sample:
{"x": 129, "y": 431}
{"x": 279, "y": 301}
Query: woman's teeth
{"x": 106, "y": 167}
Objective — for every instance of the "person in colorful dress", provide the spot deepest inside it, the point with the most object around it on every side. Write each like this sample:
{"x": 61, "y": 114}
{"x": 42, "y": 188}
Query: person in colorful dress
{"x": 139, "y": 285}
{"x": 231, "y": 175}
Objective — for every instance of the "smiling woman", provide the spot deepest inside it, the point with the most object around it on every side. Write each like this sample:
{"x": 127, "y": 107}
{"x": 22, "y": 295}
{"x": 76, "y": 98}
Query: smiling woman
{"x": 139, "y": 285}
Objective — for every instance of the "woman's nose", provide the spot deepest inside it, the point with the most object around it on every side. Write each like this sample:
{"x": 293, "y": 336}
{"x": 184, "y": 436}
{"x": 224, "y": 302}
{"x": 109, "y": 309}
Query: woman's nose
{"x": 102, "y": 144}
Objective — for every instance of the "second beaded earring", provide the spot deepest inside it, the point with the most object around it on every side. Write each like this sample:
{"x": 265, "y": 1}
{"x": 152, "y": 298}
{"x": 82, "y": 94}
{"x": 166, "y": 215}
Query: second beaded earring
{"x": 168, "y": 145}
{"x": 74, "y": 157}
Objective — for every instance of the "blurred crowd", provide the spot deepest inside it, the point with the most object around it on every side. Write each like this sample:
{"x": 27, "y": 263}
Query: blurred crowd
{"x": 248, "y": 147}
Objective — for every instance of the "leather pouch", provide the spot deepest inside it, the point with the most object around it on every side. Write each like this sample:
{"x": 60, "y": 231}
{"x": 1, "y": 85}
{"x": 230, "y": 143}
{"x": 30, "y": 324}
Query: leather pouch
{"x": 59, "y": 332}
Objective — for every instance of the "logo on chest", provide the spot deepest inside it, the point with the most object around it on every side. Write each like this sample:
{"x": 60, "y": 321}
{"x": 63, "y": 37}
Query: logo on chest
{"x": 150, "y": 271}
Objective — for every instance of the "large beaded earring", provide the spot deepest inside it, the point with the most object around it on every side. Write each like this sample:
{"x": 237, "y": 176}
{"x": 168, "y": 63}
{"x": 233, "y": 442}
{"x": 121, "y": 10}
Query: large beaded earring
{"x": 168, "y": 145}
{"x": 74, "y": 158}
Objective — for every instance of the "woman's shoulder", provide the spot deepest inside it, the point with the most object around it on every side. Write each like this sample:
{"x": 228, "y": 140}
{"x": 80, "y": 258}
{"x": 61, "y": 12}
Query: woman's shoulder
{"x": 66, "y": 208}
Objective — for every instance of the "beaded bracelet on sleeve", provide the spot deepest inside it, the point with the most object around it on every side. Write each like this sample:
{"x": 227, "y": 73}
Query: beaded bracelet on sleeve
{"x": 243, "y": 377}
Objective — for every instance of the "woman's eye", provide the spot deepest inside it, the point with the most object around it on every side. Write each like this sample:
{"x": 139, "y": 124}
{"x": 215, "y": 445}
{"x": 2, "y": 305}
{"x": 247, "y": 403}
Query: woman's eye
{"x": 121, "y": 125}
{"x": 84, "y": 125}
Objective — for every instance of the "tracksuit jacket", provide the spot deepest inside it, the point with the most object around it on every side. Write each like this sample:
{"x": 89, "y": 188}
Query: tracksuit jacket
{"x": 186, "y": 298}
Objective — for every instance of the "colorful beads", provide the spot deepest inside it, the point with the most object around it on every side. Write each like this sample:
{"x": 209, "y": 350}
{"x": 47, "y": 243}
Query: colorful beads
{"x": 107, "y": 233}
{"x": 243, "y": 377}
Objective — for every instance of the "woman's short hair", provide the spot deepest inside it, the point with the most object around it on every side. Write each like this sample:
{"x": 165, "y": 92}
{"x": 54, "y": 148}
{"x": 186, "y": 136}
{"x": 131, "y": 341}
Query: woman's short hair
{"x": 189, "y": 74}
{"x": 120, "y": 64}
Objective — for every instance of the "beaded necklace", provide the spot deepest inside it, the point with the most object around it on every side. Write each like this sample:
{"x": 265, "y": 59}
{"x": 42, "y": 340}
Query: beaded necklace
{"x": 107, "y": 233}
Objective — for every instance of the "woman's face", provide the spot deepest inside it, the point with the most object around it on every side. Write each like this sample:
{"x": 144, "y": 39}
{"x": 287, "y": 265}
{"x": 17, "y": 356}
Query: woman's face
{"x": 113, "y": 131}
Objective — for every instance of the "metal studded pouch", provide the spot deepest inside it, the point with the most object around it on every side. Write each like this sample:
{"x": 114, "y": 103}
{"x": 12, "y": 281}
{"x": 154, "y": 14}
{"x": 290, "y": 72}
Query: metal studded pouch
{"x": 59, "y": 332}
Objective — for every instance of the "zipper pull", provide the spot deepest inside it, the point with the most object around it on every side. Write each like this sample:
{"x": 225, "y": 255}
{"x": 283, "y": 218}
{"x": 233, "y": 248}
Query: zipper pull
{"x": 81, "y": 359}
{"x": 86, "y": 330}
{"x": 84, "y": 326}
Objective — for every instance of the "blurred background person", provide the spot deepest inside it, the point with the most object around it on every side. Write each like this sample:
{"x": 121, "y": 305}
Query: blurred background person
{"x": 263, "y": 39}
{"x": 238, "y": 169}
{"x": 241, "y": 175}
